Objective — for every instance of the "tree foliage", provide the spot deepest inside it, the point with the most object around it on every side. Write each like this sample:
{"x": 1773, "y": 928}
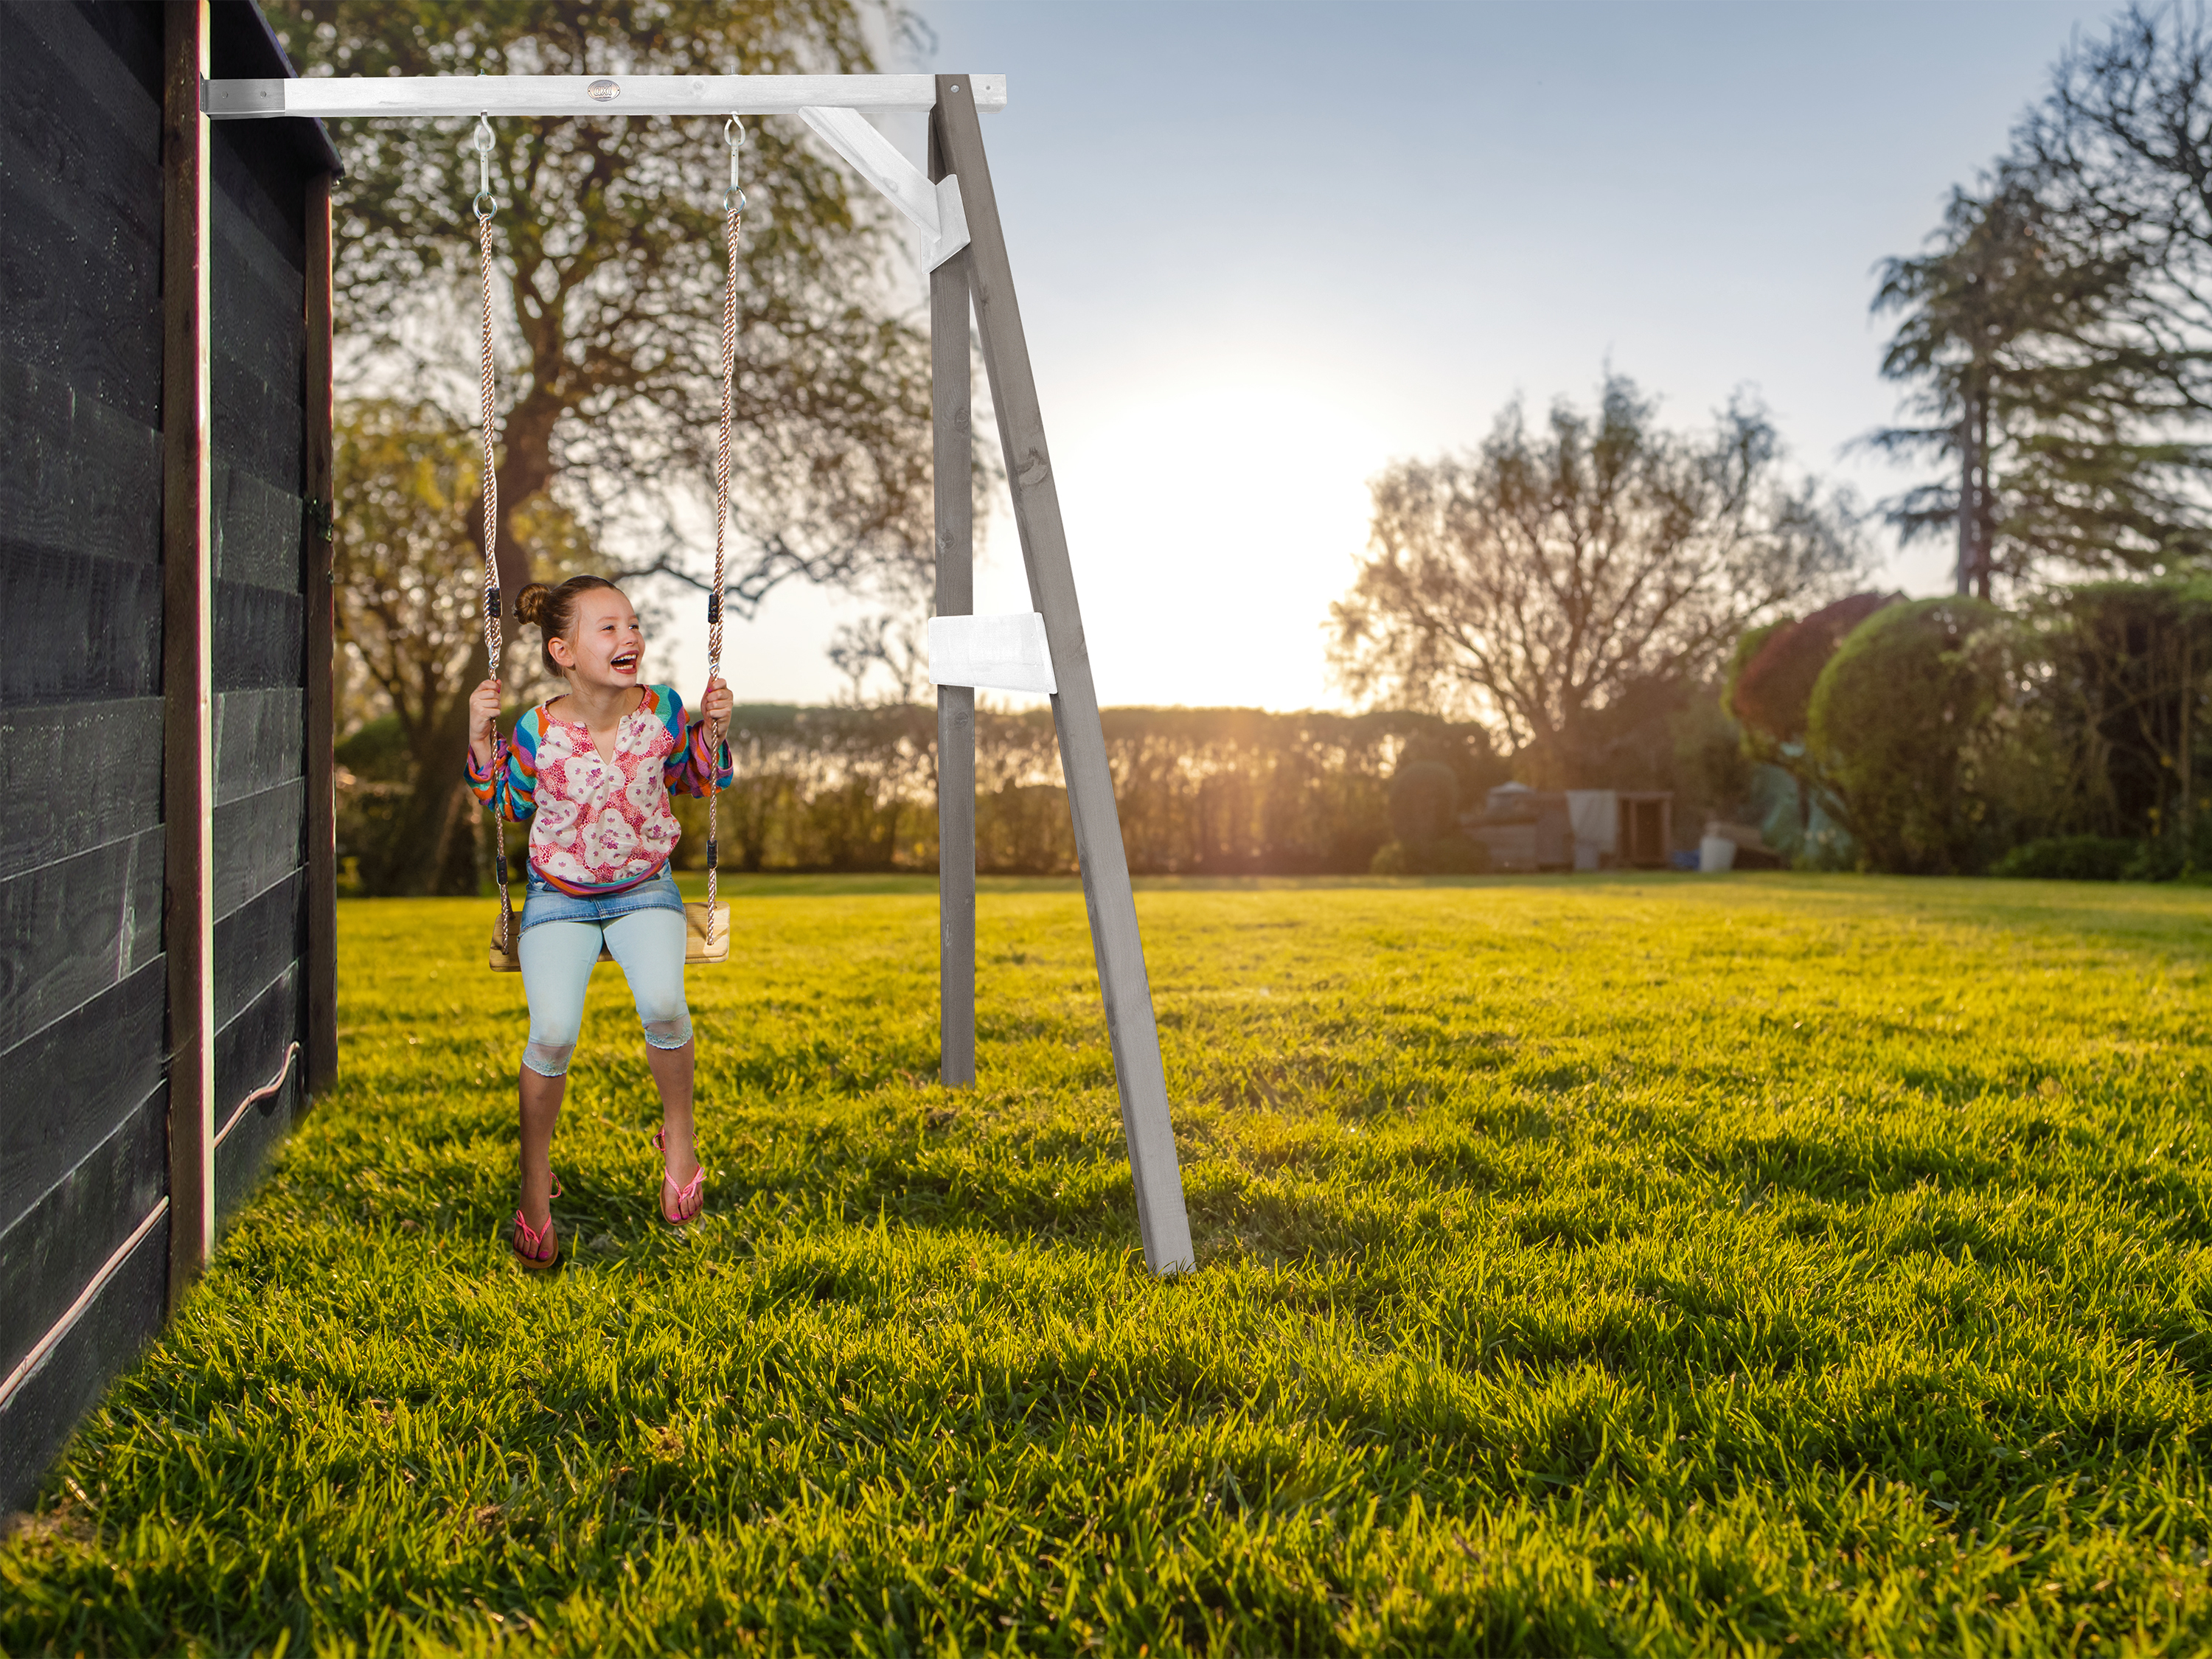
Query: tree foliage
{"x": 410, "y": 610}
{"x": 609, "y": 264}
{"x": 2016, "y": 342}
{"x": 1560, "y": 584}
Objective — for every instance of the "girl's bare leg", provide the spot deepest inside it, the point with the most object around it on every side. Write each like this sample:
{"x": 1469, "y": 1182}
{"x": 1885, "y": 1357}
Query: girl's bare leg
{"x": 541, "y": 1108}
{"x": 672, "y": 1070}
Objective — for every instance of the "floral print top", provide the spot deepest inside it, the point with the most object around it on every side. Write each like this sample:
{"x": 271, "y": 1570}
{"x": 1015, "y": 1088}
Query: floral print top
{"x": 599, "y": 826}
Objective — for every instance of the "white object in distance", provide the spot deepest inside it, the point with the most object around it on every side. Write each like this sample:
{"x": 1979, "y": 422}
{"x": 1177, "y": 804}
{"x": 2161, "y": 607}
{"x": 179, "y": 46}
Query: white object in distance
{"x": 992, "y": 653}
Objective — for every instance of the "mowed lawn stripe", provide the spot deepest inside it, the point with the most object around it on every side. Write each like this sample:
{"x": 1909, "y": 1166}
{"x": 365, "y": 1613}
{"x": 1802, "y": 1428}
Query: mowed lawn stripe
{"x": 1621, "y": 1264}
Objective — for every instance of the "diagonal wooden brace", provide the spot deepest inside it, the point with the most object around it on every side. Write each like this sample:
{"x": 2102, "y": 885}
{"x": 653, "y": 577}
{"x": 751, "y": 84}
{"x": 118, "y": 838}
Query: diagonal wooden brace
{"x": 1137, "y": 1070}
{"x": 936, "y": 207}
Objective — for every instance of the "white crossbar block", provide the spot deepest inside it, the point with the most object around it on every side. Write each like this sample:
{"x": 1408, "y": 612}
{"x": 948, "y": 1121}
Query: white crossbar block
{"x": 935, "y": 208}
{"x": 993, "y": 653}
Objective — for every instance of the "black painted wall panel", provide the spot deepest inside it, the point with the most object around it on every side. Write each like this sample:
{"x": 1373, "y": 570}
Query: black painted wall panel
{"x": 67, "y": 1087}
{"x": 47, "y": 1256}
{"x": 83, "y": 1023}
{"x": 97, "y": 621}
{"x": 245, "y": 1152}
{"x": 79, "y": 193}
{"x": 257, "y": 637}
{"x": 121, "y": 1319}
{"x": 256, "y": 531}
{"x": 69, "y": 930}
{"x": 258, "y": 843}
{"x": 249, "y": 1053}
{"x": 259, "y": 741}
{"x": 79, "y": 477}
{"x": 76, "y": 776}
{"x": 254, "y": 944}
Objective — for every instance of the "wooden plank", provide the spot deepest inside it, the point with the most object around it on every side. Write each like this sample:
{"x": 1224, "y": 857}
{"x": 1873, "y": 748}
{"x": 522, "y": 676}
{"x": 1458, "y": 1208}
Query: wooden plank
{"x": 259, "y": 842}
{"x": 79, "y": 149}
{"x": 319, "y": 647}
{"x": 66, "y": 316}
{"x": 1114, "y": 941}
{"x": 66, "y": 1088}
{"x": 63, "y": 1239}
{"x": 116, "y": 1324}
{"x": 67, "y": 931}
{"x": 406, "y": 97}
{"x": 953, "y": 456}
{"x": 254, "y": 944}
{"x": 100, "y": 627}
{"x": 79, "y": 479}
{"x": 260, "y": 187}
{"x": 258, "y": 741}
{"x": 250, "y": 1052}
{"x": 258, "y": 424}
{"x": 187, "y": 655}
{"x": 107, "y": 798}
{"x": 256, "y": 527}
{"x": 257, "y": 637}
{"x": 107, "y": 51}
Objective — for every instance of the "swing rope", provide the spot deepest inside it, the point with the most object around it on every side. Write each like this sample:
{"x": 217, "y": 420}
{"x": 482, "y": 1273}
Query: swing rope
{"x": 485, "y": 205}
{"x": 734, "y": 208}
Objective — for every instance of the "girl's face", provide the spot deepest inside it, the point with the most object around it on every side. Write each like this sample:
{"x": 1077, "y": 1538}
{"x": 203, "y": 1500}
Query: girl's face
{"x": 606, "y": 646}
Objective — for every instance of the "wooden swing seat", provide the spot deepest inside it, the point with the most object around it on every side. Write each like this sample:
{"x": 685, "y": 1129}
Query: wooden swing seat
{"x": 695, "y": 947}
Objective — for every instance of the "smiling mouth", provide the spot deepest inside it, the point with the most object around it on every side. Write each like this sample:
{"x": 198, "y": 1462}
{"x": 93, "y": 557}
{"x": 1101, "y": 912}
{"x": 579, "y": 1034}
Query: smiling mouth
{"x": 625, "y": 664}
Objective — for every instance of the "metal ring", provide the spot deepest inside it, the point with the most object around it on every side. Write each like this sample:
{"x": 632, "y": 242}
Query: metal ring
{"x": 485, "y": 204}
{"x": 734, "y": 133}
{"x": 740, "y": 207}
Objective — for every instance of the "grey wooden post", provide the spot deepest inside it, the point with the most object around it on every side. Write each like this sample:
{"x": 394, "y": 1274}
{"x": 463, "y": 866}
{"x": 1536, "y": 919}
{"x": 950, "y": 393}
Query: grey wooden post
{"x": 1106, "y": 891}
{"x": 952, "y": 455}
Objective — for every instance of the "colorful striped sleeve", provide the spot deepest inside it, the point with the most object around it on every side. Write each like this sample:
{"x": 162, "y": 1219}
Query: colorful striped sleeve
{"x": 515, "y": 790}
{"x": 686, "y": 768}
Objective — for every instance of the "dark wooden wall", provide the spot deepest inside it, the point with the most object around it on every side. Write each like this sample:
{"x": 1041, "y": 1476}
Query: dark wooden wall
{"x": 83, "y": 1045}
{"x": 258, "y": 284}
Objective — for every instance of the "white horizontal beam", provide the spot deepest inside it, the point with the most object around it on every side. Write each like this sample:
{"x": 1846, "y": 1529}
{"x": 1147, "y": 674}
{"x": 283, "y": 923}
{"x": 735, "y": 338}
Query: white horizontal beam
{"x": 398, "y": 97}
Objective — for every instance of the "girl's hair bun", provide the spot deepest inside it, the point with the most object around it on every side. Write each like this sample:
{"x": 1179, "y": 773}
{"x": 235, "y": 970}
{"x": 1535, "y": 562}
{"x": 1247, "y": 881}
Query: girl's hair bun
{"x": 530, "y": 604}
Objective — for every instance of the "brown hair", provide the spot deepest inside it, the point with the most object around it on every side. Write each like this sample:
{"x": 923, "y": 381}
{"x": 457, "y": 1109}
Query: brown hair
{"x": 554, "y": 610}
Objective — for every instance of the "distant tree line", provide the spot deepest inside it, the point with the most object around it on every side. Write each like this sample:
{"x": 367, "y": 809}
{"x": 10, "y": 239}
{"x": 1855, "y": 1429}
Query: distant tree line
{"x": 1620, "y": 603}
{"x": 2055, "y": 343}
{"x": 1201, "y": 791}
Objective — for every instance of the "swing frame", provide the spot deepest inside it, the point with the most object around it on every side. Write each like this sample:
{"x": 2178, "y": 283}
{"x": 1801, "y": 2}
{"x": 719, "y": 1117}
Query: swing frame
{"x": 957, "y": 209}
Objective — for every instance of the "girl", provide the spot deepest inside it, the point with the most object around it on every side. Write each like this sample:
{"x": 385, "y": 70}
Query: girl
{"x": 590, "y": 772}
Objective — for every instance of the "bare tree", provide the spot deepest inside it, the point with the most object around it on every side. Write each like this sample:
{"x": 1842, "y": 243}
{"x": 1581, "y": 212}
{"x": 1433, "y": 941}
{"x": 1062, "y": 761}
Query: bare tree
{"x": 1552, "y": 580}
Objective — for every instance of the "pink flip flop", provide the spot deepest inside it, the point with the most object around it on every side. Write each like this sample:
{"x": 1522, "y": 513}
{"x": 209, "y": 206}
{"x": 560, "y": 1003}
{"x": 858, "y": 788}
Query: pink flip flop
{"x": 687, "y": 1194}
{"x": 535, "y": 1248}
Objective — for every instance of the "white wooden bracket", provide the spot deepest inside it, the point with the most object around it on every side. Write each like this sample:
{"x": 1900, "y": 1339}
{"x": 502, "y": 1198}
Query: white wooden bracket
{"x": 993, "y": 653}
{"x": 936, "y": 207}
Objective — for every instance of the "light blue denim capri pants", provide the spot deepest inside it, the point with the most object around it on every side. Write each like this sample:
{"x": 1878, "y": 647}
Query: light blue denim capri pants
{"x": 643, "y": 929}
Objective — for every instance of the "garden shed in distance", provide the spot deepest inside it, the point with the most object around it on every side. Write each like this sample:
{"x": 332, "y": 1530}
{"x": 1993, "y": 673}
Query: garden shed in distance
{"x": 166, "y": 915}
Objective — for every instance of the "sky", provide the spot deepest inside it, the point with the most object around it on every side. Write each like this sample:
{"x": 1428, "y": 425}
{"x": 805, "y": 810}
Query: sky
{"x": 1263, "y": 248}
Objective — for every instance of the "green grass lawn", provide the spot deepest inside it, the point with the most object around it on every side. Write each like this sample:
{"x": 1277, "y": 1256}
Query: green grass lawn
{"x": 1781, "y": 1264}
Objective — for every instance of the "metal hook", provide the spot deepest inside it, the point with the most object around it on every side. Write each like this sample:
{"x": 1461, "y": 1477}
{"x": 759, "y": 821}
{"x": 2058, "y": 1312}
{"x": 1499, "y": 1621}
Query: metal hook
{"x": 733, "y": 135}
{"x": 485, "y": 204}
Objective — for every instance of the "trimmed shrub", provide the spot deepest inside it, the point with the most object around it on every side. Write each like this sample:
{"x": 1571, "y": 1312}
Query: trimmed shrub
{"x": 1922, "y": 729}
{"x": 1424, "y": 802}
{"x": 1447, "y": 855}
{"x": 2070, "y": 858}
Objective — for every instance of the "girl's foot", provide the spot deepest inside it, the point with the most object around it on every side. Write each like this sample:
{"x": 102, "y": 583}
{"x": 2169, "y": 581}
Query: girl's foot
{"x": 679, "y": 1204}
{"x": 534, "y": 1247}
